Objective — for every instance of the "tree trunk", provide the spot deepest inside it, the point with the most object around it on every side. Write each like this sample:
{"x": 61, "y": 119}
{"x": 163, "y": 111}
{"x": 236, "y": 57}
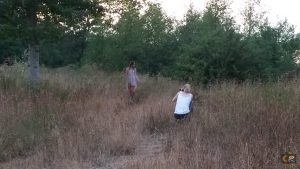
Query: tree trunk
{"x": 33, "y": 65}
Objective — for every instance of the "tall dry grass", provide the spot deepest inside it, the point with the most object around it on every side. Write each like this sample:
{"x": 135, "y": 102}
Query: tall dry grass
{"x": 82, "y": 119}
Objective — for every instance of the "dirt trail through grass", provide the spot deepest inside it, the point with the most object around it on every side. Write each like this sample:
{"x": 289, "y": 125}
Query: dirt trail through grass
{"x": 150, "y": 146}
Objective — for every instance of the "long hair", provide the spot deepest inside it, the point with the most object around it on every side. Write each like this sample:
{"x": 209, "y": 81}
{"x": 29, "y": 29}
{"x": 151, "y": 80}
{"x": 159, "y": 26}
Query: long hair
{"x": 131, "y": 64}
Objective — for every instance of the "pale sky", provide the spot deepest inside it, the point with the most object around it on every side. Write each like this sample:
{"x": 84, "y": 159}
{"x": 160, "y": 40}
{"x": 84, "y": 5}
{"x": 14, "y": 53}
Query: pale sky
{"x": 276, "y": 9}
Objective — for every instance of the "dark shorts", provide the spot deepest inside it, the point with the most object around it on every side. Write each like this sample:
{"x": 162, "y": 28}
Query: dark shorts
{"x": 131, "y": 86}
{"x": 181, "y": 116}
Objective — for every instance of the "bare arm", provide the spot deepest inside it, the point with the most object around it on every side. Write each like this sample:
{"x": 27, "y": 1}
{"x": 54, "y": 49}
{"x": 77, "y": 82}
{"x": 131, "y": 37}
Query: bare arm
{"x": 126, "y": 71}
{"x": 175, "y": 97}
{"x": 136, "y": 76}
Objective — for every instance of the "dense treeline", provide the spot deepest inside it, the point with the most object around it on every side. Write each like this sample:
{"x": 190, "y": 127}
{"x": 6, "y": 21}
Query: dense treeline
{"x": 206, "y": 46}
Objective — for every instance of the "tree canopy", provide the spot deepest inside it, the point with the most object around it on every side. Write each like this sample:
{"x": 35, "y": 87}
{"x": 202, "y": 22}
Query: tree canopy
{"x": 205, "y": 47}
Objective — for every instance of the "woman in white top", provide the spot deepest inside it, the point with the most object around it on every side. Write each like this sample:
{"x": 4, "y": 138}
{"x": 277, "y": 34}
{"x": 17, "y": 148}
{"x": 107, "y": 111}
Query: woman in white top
{"x": 132, "y": 78}
{"x": 183, "y": 101}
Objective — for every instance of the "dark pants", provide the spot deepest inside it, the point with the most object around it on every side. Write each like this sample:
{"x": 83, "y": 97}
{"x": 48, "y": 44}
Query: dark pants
{"x": 180, "y": 116}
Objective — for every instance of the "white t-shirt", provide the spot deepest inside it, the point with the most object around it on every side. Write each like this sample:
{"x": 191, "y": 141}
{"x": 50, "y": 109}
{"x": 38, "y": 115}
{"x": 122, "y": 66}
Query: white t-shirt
{"x": 131, "y": 76}
{"x": 183, "y": 103}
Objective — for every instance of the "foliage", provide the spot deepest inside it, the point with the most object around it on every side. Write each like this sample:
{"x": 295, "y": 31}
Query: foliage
{"x": 146, "y": 38}
{"x": 44, "y": 23}
{"x": 207, "y": 46}
{"x": 211, "y": 48}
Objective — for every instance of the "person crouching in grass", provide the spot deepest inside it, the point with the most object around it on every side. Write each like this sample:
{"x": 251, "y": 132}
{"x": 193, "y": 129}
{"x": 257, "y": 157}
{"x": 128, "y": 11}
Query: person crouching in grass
{"x": 183, "y": 100}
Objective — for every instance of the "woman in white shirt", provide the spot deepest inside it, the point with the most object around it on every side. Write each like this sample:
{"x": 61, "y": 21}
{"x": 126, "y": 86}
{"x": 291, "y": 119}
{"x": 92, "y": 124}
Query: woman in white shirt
{"x": 132, "y": 78}
{"x": 183, "y": 100}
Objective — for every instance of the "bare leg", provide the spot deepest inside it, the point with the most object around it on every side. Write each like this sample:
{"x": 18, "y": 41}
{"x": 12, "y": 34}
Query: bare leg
{"x": 130, "y": 92}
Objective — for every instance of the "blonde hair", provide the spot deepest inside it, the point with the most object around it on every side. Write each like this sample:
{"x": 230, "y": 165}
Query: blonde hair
{"x": 187, "y": 88}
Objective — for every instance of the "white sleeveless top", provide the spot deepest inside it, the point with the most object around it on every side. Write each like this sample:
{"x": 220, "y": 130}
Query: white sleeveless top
{"x": 183, "y": 103}
{"x": 131, "y": 77}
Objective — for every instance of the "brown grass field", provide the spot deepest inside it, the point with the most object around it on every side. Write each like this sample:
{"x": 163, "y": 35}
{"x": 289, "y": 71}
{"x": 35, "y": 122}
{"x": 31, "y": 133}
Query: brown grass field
{"x": 83, "y": 120}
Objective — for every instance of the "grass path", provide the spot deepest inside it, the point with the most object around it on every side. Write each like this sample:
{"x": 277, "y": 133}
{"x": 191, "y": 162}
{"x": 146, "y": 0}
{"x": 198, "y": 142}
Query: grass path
{"x": 150, "y": 146}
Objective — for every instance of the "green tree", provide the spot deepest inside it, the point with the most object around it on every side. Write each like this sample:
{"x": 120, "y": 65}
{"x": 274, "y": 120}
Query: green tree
{"x": 34, "y": 21}
{"x": 103, "y": 48}
{"x": 158, "y": 40}
{"x": 212, "y": 49}
{"x": 112, "y": 46}
{"x": 146, "y": 38}
{"x": 253, "y": 17}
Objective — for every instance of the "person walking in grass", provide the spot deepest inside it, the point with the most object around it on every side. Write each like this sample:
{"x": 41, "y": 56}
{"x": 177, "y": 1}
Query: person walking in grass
{"x": 132, "y": 78}
{"x": 183, "y": 100}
